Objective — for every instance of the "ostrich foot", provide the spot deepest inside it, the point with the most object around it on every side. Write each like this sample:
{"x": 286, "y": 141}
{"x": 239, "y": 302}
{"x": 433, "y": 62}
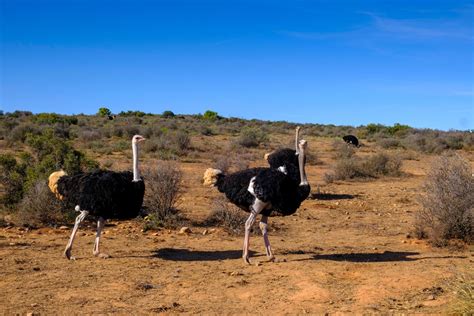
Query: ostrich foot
{"x": 246, "y": 259}
{"x": 101, "y": 255}
{"x": 67, "y": 254}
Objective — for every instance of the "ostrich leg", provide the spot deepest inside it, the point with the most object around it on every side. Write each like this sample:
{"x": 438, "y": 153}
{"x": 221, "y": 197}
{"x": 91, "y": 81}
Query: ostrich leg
{"x": 255, "y": 209}
{"x": 100, "y": 227}
{"x": 79, "y": 219}
{"x": 263, "y": 227}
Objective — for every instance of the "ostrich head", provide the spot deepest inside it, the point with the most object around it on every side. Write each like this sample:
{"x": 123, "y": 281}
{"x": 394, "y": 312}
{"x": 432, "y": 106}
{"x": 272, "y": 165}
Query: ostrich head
{"x": 137, "y": 138}
{"x": 53, "y": 182}
{"x": 211, "y": 176}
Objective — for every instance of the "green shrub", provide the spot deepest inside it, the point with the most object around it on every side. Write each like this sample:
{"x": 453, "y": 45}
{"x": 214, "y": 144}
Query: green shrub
{"x": 168, "y": 114}
{"x": 12, "y": 178}
{"x": 53, "y": 118}
{"x": 252, "y": 137}
{"x": 210, "y": 115}
{"x": 104, "y": 112}
{"x": 133, "y": 113}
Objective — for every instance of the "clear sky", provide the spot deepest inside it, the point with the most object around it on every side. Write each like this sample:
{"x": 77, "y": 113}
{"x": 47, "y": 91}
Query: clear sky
{"x": 340, "y": 62}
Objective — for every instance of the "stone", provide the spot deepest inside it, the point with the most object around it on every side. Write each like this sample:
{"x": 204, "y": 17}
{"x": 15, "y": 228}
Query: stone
{"x": 185, "y": 230}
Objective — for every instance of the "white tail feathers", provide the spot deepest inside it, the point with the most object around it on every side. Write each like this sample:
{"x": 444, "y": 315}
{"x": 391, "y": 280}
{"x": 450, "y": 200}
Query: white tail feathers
{"x": 53, "y": 182}
{"x": 210, "y": 176}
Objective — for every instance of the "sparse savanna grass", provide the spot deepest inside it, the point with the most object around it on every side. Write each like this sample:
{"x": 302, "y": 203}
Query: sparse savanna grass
{"x": 39, "y": 207}
{"x": 462, "y": 288}
{"x": 163, "y": 190}
{"x": 447, "y": 212}
{"x": 373, "y": 166}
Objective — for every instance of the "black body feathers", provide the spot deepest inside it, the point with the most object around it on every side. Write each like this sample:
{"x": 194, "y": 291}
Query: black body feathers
{"x": 351, "y": 139}
{"x": 269, "y": 185}
{"x": 106, "y": 194}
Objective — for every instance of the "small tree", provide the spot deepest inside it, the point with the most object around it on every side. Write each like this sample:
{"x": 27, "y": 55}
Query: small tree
{"x": 210, "y": 115}
{"x": 167, "y": 114}
{"x": 104, "y": 112}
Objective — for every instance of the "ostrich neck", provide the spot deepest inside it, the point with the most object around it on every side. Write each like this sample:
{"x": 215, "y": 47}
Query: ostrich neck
{"x": 136, "y": 172}
{"x": 297, "y": 141}
{"x": 301, "y": 157}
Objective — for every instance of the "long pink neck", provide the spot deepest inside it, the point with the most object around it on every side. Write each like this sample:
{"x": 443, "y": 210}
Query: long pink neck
{"x": 301, "y": 156}
{"x": 136, "y": 171}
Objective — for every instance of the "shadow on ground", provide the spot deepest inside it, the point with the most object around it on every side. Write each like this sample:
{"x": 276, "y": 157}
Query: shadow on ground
{"x": 386, "y": 256}
{"x": 330, "y": 196}
{"x": 197, "y": 255}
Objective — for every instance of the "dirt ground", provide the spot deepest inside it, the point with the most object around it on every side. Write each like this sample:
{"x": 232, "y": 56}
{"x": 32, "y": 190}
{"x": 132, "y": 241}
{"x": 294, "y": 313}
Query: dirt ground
{"x": 347, "y": 250}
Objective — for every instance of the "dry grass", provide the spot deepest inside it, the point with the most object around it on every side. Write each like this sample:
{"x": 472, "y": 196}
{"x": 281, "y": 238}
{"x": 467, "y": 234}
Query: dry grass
{"x": 463, "y": 288}
{"x": 448, "y": 202}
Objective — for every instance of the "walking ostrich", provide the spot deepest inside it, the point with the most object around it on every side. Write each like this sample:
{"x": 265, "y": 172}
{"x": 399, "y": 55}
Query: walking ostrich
{"x": 263, "y": 191}
{"x": 105, "y": 194}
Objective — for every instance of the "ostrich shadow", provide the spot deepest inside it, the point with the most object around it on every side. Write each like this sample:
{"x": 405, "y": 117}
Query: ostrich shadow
{"x": 180, "y": 254}
{"x": 386, "y": 256}
{"x": 331, "y": 196}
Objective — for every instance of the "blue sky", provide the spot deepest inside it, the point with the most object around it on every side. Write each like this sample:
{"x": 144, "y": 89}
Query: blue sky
{"x": 330, "y": 62}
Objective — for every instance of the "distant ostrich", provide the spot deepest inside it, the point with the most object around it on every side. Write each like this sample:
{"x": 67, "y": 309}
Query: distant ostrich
{"x": 105, "y": 194}
{"x": 351, "y": 139}
{"x": 263, "y": 191}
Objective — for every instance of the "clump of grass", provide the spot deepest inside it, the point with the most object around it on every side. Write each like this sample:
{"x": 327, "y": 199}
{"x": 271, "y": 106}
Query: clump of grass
{"x": 448, "y": 202}
{"x": 39, "y": 207}
{"x": 163, "y": 190}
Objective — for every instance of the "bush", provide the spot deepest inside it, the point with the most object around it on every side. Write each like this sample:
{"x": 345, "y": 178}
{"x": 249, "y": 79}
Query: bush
{"x": 228, "y": 216}
{"x": 168, "y": 114}
{"x": 387, "y": 143}
{"x": 252, "y": 137}
{"x": 448, "y": 202}
{"x": 373, "y": 166}
{"x": 40, "y": 207}
{"x": 210, "y": 115}
{"x": 12, "y": 178}
{"x": 104, "y": 112}
{"x": 342, "y": 150}
{"x": 19, "y": 133}
{"x": 163, "y": 190}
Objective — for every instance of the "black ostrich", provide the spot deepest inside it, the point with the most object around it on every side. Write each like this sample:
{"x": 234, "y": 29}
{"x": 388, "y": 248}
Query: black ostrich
{"x": 351, "y": 139}
{"x": 263, "y": 191}
{"x": 104, "y": 194}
